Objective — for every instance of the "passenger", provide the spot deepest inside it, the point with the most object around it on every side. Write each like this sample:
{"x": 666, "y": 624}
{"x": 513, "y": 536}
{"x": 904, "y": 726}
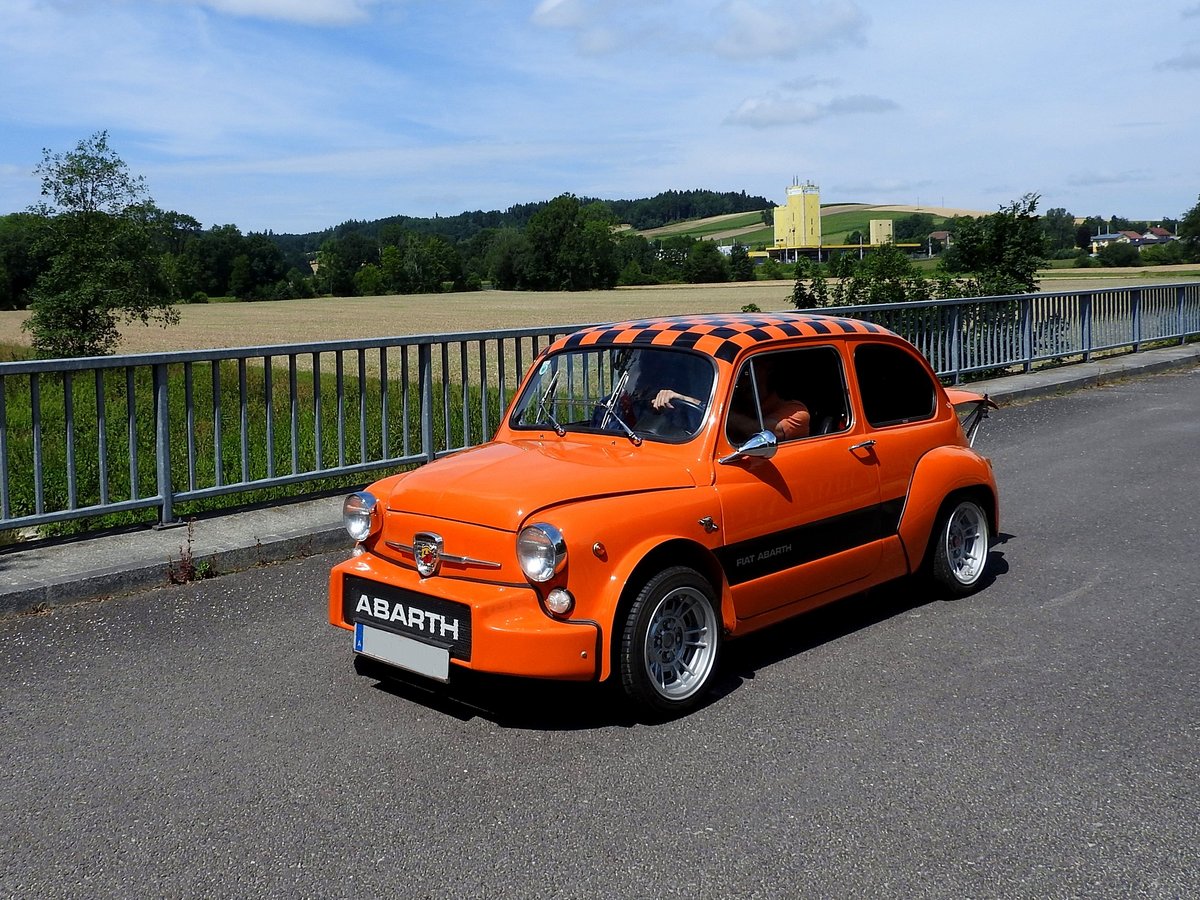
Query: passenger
{"x": 786, "y": 419}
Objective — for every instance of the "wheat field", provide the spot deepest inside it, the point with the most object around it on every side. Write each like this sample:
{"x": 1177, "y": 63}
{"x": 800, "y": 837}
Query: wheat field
{"x": 219, "y": 325}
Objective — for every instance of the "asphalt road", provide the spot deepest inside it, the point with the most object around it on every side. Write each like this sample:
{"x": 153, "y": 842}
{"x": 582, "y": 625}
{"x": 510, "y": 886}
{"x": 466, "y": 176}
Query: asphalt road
{"x": 1039, "y": 739}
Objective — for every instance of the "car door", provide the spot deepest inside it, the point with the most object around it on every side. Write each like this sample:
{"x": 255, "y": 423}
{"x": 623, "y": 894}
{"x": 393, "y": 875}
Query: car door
{"x": 807, "y": 520}
{"x": 899, "y": 401}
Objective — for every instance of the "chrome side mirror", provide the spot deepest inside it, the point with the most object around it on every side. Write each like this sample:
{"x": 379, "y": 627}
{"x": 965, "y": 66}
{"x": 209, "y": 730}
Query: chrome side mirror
{"x": 760, "y": 446}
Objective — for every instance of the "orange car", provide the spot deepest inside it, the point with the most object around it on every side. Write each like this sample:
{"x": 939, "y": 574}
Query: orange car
{"x": 660, "y": 486}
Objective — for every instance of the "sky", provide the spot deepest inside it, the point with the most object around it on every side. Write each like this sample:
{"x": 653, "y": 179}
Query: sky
{"x": 297, "y": 115}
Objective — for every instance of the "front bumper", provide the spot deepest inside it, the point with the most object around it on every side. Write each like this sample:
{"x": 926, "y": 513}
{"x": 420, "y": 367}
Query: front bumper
{"x": 509, "y": 632}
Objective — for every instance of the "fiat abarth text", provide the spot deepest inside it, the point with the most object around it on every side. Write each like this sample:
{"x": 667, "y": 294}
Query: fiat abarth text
{"x": 660, "y": 486}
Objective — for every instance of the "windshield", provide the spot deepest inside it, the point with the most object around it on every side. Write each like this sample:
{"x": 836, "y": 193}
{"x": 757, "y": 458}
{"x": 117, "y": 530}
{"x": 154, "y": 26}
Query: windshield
{"x": 650, "y": 392}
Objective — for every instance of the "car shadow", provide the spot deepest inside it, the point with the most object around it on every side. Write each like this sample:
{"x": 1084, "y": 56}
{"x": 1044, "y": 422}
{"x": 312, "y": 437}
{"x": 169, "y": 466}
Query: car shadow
{"x": 531, "y": 704}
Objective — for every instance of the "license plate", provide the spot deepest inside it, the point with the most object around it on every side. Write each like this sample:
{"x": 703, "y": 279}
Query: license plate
{"x": 402, "y": 652}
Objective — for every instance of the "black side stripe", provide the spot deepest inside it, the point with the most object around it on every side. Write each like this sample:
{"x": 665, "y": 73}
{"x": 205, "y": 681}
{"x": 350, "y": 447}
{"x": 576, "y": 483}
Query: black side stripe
{"x": 780, "y": 550}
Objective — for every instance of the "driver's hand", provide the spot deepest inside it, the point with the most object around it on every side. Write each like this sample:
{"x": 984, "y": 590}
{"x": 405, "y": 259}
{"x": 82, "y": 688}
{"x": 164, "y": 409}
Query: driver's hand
{"x": 662, "y": 400}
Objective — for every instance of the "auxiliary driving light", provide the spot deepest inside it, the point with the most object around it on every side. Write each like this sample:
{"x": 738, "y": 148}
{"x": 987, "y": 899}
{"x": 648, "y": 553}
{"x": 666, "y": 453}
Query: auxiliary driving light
{"x": 560, "y": 602}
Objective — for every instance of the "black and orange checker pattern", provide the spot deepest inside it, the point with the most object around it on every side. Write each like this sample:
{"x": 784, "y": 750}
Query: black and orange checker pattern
{"x": 722, "y": 335}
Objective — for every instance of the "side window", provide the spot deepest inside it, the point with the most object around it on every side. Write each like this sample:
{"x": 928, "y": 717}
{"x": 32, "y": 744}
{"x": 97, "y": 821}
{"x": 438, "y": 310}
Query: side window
{"x": 895, "y": 387}
{"x": 793, "y": 393}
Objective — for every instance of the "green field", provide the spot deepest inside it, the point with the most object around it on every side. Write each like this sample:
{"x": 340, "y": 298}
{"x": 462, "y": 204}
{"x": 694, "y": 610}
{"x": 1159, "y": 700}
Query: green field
{"x": 835, "y": 227}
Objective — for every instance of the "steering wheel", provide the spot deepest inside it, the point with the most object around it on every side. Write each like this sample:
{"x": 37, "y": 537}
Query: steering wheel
{"x": 685, "y": 413}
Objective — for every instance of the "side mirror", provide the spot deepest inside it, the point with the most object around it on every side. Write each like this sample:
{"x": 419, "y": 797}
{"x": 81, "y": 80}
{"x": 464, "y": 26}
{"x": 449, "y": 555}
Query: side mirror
{"x": 760, "y": 446}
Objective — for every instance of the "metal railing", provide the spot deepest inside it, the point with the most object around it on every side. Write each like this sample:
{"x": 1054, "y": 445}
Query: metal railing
{"x": 87, "y": 437}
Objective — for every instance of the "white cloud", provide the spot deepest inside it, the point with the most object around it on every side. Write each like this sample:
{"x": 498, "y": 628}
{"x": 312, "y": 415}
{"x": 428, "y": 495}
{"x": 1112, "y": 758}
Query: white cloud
{"x": 1189, "y": 59}
{"x": 306, "y": 12}
{"x": 758, "y": 29}
{"x": 741, "y": 30}
{"x": 788, "y": 109}
{"x": 1095, "y": 178}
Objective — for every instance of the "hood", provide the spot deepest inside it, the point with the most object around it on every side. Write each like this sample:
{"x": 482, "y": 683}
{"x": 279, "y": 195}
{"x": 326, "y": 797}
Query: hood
{"x": 498, "y": 485}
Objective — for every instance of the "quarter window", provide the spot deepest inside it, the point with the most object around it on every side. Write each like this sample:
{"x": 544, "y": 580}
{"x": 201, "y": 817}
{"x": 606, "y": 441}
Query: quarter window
{"x": 896, "y": 387}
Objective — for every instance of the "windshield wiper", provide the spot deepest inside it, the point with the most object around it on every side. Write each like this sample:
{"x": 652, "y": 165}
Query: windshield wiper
{"x": 544, "y": 407}
{"x": 611, "y": 413}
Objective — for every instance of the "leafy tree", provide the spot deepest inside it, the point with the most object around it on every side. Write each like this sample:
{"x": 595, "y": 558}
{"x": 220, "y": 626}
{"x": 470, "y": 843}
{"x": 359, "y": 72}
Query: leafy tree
{"x": 1058, "y": 226}
{"x": 20, "y": 263}
{"x": 341, "y": 257}
{"x": 1002, "y": 251}
{"x": 508, "y": 259}
{"x": 705, "y": 264}
{"x": 914, "y": 227}
{"x": 886, "y": 275}
{"x": 1118, "y": 253}
{"x": 811, "y": 290}
{"x": 741, "y": 266}
{"x": 571, "y": 247}
{"x": 671, "y": 256}
{"x": 206, "y": 263}
{"x": 98, "y": 239}
{"x": 1168, "y": 254}
{"x": 368, "y": 281}
{"x": 1189, "y": 231}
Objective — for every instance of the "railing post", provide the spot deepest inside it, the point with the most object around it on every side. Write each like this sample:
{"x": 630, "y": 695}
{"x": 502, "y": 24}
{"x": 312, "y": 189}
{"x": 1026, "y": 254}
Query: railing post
{"x": 1027, "y": 332}
{"x": 162, "y": 444}
{"x": 1085, "y": 325}
{"x": 1179, "y": 326}
{"x": 1135, "y": 308}
{"x": 956, "y": 342}
{"x": 425, "y": 387}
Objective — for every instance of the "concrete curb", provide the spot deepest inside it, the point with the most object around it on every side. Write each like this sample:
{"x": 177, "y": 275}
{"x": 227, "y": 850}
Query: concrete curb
{"x": 151, "y": 562}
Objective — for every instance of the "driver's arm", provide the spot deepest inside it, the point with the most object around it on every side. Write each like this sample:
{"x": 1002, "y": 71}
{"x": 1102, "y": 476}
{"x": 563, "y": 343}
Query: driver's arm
{"x": 662, "y": 400}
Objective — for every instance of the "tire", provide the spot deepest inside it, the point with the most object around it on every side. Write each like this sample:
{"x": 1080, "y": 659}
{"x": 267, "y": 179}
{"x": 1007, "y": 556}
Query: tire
{"x": 960, "y": 548}
{"x": 670, "y": 642}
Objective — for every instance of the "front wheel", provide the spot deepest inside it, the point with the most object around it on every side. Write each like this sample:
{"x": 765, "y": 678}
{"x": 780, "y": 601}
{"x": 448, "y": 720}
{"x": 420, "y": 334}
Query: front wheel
{"x": 960, "y": 549}
{"x": 670, "y": 642}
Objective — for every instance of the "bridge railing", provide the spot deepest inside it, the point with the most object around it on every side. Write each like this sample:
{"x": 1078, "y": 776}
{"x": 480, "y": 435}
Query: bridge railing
{"x": 125, "y": 434}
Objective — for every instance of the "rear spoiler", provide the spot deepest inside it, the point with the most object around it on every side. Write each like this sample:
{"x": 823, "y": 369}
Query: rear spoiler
{"x": 979, "y": 405}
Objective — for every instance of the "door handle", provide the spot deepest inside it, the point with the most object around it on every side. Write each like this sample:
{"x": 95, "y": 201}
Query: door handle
{"x": 863, "y": 445}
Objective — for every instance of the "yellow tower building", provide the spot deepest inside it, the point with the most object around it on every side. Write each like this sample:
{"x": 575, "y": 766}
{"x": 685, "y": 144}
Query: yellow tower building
{"x": 798, "y": 224}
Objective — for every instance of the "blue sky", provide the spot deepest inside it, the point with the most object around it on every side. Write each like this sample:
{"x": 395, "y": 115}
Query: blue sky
{"x": 294, "y": 115}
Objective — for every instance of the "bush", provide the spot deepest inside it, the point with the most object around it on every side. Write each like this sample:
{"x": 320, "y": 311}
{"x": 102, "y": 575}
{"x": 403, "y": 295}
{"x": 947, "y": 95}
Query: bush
{"x": 198, "y": 297}
{"x": 1119, "y": 254}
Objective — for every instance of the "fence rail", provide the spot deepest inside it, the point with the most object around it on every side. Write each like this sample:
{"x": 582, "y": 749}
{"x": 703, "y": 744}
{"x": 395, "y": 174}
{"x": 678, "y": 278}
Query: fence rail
{"x": 88, "y": 437}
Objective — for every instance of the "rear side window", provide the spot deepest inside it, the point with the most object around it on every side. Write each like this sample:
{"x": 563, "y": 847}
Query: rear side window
{"x": 895, "y": 386}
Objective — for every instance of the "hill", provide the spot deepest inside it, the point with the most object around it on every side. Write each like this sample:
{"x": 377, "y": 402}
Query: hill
{"x": 837, "y": 221}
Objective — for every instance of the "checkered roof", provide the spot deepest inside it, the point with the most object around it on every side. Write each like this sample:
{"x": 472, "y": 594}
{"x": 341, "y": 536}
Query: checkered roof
{"x": 722, "y": 336}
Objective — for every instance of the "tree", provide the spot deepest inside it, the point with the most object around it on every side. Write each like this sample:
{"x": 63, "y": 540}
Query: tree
{"x": 571, "y": 247}
{"x": 1058, "y": 226}
{"x": 741, "y": 266}
{"x": 1189, "y": 231}
{"x": 1002, "y": 251}
{"x": 1119, "y": 253}
{"x": 705, "y": 264}
{"x": 913, "y": 227}
{"x": 103, "y": 267}
{"x": 20, "y": 264}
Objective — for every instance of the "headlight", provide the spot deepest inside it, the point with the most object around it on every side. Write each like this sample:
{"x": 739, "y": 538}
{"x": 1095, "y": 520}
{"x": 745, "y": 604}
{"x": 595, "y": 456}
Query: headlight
{"x": 359, "y": 515}
{"x": 541, "y": 551}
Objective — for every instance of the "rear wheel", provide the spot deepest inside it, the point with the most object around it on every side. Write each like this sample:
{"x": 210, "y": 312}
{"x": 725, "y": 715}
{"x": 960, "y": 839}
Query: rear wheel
{"x": 670, "y": 642}
{"x": 960, "y": 548}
